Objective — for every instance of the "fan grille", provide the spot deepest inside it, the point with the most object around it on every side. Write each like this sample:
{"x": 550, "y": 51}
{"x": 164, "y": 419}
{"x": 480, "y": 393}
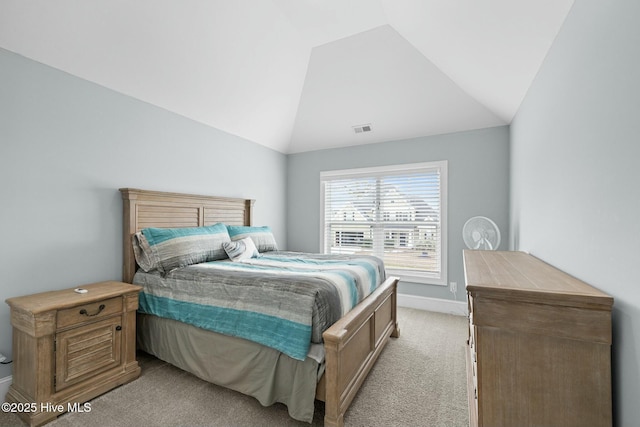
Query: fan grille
{"x": 481, "y": 233}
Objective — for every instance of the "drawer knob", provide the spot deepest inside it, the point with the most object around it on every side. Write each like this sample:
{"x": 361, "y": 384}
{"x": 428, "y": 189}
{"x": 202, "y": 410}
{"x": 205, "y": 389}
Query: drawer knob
{"x": 118, "y": 328}
{"x": 84, "y": 312}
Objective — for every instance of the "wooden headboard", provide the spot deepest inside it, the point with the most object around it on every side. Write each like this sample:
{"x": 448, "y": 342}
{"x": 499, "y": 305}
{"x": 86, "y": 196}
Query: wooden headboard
{"x": 143, "y": 208}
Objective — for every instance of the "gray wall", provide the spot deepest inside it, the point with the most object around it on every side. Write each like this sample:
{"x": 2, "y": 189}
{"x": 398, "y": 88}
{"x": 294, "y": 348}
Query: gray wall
{"x": 67, "y": 145}
{"x": 575, "y": 182}
{"x": 478, "y": 163}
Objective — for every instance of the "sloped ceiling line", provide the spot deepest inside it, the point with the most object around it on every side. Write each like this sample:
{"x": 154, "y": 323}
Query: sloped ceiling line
{"x": 296, "y": 75}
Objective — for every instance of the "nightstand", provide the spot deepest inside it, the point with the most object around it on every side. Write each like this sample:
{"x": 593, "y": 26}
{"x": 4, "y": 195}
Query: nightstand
{"x": 69, "y": 347}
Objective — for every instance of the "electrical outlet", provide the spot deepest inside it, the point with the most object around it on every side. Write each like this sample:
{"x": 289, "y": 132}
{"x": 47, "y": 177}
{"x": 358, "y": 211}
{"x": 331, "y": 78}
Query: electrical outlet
{"x": 453, "y": 287}
{"x": 2, "y": 357}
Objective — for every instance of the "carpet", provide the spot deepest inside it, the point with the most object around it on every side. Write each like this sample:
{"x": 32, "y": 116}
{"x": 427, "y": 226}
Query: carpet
{"x": 419, "y": 380}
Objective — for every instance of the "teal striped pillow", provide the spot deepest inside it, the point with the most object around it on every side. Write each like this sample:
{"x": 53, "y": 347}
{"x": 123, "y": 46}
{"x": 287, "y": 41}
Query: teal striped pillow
{"x": 261, "y": 236}
{"x": 178, "y": 247}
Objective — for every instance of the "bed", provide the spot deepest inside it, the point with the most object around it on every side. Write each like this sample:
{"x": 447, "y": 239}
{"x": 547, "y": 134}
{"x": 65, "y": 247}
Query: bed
{"x": 331, "y": 372}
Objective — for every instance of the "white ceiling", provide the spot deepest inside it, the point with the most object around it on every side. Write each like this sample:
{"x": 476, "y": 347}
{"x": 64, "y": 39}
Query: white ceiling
{"x": 297, "y": 75}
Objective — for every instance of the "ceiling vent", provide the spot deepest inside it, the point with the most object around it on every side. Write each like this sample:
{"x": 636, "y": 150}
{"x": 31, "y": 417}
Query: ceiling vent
{"x": 362, "y": 128}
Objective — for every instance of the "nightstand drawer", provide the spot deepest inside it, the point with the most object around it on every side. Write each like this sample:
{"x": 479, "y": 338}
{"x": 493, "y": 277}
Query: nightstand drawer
{"x": 88, "y": 312}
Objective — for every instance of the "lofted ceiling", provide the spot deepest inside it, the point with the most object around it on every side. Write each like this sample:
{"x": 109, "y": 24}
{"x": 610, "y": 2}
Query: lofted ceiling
{"x": 299, "y": 75}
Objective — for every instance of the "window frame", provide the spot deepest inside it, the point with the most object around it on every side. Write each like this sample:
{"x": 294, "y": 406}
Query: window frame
{"x": 371, "y": 172}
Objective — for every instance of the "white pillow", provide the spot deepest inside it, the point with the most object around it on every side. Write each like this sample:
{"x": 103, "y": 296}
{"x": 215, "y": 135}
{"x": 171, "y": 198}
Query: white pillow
{"x": 241, "y": 249}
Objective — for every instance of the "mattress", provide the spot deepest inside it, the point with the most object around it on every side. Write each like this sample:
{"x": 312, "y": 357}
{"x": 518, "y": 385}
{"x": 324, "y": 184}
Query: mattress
{"x": 282, "y": 300}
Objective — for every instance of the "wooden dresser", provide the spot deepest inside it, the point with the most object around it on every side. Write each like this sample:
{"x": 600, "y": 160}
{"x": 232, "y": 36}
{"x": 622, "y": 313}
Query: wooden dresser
{"x": 70, "y": 347}
{"x": 539, "y": 350}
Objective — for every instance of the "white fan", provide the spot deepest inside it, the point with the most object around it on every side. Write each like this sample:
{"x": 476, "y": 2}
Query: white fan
{"x": 480, "y": 232}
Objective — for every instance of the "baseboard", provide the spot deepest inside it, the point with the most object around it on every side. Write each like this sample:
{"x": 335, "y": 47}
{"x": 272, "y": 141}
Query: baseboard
{"x": 4, "y": 386}
{"x": 459, "y": 308}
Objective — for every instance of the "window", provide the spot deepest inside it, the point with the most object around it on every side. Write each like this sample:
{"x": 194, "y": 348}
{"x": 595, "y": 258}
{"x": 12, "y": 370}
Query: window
{"x": 397, "y": 213}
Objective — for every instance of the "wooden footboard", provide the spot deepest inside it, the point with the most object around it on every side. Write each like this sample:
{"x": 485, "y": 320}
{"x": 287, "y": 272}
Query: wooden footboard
{"x": 352, "y": 345}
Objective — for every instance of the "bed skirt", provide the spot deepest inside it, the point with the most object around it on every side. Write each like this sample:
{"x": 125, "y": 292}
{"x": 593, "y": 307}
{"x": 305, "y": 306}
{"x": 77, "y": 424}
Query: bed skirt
{"x": 235, "y": 363}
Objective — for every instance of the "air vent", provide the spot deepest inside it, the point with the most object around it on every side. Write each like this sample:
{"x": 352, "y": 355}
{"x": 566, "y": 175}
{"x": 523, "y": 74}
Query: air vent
{"x": 362, "y": 128}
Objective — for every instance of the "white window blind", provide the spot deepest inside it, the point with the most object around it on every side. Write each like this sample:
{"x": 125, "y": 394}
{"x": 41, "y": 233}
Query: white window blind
{"x": 397, "y": 213}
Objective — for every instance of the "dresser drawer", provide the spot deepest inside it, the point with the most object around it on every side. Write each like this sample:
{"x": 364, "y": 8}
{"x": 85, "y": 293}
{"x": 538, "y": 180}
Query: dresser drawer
{"x": 88, "y": 312}
{"x": 472, "y": 341}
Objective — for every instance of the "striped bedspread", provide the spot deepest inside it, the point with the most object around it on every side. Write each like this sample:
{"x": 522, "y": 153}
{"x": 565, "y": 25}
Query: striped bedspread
{"x": 284, "y": 300}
